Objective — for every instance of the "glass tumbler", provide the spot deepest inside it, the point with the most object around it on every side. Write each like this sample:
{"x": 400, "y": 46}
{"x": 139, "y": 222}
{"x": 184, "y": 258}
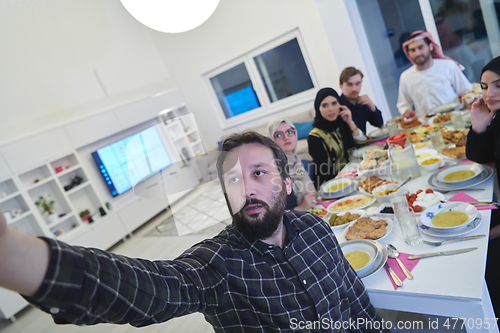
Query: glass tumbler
{"x": 457, "y": 120}
{"x": 436, "y": 138}
{"x": 406, "y": 220}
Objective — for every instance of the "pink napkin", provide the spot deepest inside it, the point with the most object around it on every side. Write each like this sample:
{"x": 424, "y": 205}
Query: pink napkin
{"x": 410, "y": 264}
{"x": 462, "y": 197}
{"x": 352, "y": 173}
{"x": 380, "y": 142}
{"x": 326, "y": 203}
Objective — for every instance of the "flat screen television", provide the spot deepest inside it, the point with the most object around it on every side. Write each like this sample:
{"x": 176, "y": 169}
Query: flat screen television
{"x": 127, "y": 162}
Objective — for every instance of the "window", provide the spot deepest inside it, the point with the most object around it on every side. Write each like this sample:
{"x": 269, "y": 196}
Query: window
{"x": 283, "y": 71}
{"x": 262, "y": 81}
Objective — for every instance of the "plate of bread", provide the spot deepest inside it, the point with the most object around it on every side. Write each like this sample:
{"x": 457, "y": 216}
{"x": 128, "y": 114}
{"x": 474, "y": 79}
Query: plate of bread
{"x": 454, "y": 153}
{"x": 375, "y": 162}
{"x": 410, "y": 124}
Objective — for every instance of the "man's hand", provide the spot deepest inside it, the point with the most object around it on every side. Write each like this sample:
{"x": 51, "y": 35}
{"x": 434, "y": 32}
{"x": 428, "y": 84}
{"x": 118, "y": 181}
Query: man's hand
{"x": 409, "y": 113}
{"x": 480, "y": 116}
{"x": 365, "y": 100}
{"x": 23, "y": 260}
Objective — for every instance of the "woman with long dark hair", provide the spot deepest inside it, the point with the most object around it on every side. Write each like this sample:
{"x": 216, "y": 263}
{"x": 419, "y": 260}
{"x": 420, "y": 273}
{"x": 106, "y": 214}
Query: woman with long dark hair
{"x": 334, "y": 132}
{"x": 483, "y": 146}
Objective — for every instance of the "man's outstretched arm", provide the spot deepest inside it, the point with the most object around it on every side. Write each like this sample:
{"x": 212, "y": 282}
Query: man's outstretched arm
{"x": 23, "y": 260}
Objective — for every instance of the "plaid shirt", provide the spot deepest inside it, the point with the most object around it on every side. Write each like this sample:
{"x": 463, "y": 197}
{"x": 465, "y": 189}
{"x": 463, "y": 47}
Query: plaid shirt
{"x": 240, "y": 285}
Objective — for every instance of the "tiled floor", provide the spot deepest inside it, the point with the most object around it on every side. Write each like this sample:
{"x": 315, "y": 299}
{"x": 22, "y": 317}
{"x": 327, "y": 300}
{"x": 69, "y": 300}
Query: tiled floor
{"x": 202, "y": 208}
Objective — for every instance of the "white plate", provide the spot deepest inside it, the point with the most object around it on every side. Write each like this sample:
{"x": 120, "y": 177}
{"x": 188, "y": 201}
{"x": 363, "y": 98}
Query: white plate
{"x": 423, "y": 153}
{"x": 365, "y": 246}
{"x": 485, "y": 175}
{"x": 444, "y": 108}
{"x": 431, "y": 121}
{"x": 379, "y": 261}
{"x": 338, "y": 227}
{"x": 358, "y": 153}
{"x": 475, "y": 167}
{"x": 463, "y": 207}
{"x": 388, "y": 228}
{"x": 352, "y": 197}
{"x": 471, "y": 226}
{"x": 379, "y": 134}
{"x": 437, "y": 195}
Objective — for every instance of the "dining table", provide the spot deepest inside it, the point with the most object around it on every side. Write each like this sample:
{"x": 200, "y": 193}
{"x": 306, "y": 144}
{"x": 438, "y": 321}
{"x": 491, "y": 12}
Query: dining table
{"x": 453, "y": 286}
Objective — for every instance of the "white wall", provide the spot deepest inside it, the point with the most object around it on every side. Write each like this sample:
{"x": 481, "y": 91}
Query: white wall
{"x": 236, "y": 28}
{"x": 70, "y": 59}
{"x": 64, "y": 60}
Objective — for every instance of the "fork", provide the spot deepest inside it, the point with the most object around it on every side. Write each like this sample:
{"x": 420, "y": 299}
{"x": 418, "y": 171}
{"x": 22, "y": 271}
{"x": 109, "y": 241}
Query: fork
{"x": 452, "y": 240}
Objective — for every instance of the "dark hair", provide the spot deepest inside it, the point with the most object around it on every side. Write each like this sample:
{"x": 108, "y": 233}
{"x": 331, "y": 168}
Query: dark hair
{"x": 238, "y": 139}
{"x": 493, "y": 65}
{"x": 413, "y": 35}
{"x": 348, "y": 72}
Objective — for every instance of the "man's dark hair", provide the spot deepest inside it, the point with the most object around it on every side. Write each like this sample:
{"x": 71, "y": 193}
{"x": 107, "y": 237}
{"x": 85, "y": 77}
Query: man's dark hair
{"x": 348, "y": 72}
{"x": 426, "y": 40}
{"x": 238, "y": 139}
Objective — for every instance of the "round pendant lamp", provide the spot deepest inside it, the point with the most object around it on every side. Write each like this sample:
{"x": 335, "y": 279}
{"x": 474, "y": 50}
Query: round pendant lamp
{"x": 171, "y": 16}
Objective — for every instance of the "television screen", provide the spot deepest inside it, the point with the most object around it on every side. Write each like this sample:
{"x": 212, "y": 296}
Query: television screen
{"x": 126, "y": 162}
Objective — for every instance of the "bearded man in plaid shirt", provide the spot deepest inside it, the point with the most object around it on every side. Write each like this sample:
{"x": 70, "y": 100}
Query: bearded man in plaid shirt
{"x": 270, "y": 271}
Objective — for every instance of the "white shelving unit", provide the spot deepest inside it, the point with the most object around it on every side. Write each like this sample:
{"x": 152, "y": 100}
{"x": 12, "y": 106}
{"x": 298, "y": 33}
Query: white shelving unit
{"x": 180, "y": 128}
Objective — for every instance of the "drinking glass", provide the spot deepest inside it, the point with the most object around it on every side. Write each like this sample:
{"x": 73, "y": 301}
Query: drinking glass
{"x": 457, "y": 120}
{"x": 436, "y": 138}
{"x": 406, "y": 220}
{"x": 393, "y": 128}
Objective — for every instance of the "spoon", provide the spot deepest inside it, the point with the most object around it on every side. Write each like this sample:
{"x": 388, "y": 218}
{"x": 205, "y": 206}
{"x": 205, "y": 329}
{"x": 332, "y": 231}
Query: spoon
{"x": 394, "y": 253}
{"x": 403, "y": 183}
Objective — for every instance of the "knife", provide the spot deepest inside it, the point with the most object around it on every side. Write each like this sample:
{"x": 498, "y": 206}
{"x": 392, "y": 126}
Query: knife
{"x": 445, "y": 253}
{"x": 491, "y": 203}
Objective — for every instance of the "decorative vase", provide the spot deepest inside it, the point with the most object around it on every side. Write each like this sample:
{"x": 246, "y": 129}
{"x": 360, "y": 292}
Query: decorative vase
{"x": 52, "y": 218}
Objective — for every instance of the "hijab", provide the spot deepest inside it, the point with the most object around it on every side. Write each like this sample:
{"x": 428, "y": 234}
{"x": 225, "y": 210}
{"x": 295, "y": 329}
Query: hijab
{"x": 321, "y": 122}
{"x": 301, "y": 183}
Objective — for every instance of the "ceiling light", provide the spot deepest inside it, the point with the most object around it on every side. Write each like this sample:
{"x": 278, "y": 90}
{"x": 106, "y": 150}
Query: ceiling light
{"x": 171, "y": 16}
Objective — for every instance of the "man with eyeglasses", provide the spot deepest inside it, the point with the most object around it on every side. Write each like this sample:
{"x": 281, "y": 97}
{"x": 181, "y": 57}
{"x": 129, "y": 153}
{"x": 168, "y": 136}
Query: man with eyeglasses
{"x": 270, "y": 271}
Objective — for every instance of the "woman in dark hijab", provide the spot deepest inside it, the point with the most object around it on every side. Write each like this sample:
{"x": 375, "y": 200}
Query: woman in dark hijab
{"x": 483, "y": 146}
{"x": 334, "y": 132}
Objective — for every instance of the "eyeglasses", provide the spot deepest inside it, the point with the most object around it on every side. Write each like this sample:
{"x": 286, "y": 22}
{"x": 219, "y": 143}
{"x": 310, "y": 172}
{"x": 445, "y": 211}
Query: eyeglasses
{"x": 289, "y": 132}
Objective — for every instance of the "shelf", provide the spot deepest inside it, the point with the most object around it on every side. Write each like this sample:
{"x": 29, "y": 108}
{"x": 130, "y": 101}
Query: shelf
{"x": 7, "y": 198}
{"x": 8, "y": 187}
{"x": 78, "y": 187}
{"x": 73, "y": 168}
{"x": 195, "y": 143}
{"x": 179, "y": 138}
{"x": 191, "y": 131}
{"x": 40, "y": 183}
{"x": 60, "y": 220}
{"x": 20, "y": 217}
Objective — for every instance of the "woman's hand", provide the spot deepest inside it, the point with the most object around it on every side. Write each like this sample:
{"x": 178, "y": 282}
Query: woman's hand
{"x": 480, "y": 116}
{"x": 345, "y": 113}
{"x": 309, "y": 201}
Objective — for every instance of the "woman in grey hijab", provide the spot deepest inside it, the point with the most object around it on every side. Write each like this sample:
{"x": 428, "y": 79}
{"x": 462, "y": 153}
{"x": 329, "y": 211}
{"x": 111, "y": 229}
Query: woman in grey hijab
{"x": 303, "y": 195}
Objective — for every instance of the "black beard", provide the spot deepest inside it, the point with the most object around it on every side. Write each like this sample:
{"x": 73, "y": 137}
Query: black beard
{"x": 266, "y": 226}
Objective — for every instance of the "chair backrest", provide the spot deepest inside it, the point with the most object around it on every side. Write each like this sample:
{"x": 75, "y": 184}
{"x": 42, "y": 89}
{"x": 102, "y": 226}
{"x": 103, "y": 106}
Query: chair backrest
{"x": 308, "y": 166}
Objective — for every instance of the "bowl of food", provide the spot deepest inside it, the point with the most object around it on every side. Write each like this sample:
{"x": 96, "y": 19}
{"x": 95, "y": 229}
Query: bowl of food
{"x": 337, "y": 187}
{"x": 360, "y": 254}
{"x": 448, "y": 216}
{"x": 341, "y": 220}
{"x": 384, "y": 193}
{"x": 431, "y": 163}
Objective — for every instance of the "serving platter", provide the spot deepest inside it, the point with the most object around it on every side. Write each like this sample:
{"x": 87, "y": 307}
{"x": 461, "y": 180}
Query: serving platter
{"x": 474, "y": 167}
{"x": 440, "y": 186}
{"x": 388, "y": 228}
{"x": 331, "y": 208}
{"x": 431, "y": 121}
{"x": 444, "y": 108}
{"x": 471, "y": 226}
